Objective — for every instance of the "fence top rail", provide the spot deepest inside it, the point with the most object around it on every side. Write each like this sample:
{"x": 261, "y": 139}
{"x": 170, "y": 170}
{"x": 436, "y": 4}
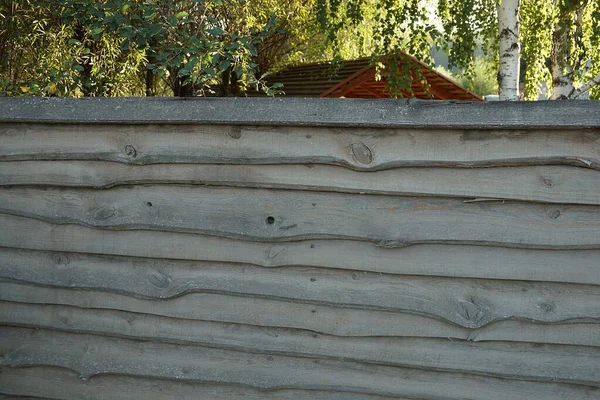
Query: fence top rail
{"x": 382, "y": 113}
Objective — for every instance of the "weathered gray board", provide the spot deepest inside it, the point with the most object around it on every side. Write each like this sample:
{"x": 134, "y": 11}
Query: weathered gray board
{"x": 299, "y": 249}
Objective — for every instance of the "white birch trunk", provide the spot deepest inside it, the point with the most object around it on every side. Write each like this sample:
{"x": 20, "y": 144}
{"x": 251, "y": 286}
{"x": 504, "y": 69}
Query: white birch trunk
{"x": 583, "y": 92}
{"x": 562, "y": 81}
{"x": 562, "y": 71}
{"x": 510, "y": 49}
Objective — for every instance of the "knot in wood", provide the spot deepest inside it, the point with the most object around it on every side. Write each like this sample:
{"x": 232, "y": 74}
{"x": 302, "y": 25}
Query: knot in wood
{"x": 547, "y": 306}
{"x": 362, "y": 153}
{"x": 554, "y": 214}
{"x": 159, "y": 279}
{"x": 235, "y": 132}
{"x": 473, "y": 313}
{"x": 548, "y": 182}
{"x": 130, "y": 151}
{"x": 102, "y": 213}
{"x": 60, "y": 259}
{"x": 90, "y": 348}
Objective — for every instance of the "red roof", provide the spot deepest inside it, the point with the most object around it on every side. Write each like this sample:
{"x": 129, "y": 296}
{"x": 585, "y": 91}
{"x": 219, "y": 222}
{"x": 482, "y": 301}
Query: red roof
{"x": 357, "y": 78}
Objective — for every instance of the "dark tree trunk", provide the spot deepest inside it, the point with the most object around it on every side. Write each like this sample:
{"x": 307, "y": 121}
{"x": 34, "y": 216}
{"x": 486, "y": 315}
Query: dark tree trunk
{"x": 181, "y": 89}
{"x": 150, "y": 80}
{"x": 230, "y": 85}
{"x": 86, "y": 62}
{"x": 149, "y": 83}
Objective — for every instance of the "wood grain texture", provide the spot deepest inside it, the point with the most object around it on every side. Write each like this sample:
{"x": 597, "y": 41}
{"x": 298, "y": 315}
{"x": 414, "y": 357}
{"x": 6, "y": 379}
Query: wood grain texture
{"x": 398, "y": 250}
{"x": 573, "y": 266}
{"x": 552, "y": 184}
{"x": 495, "y": 358}
{"x": 272, "y": 215}
{"x": 273, "y": 313}
{"x": 64, "y": 384}
{"x": 49, "y": 381}
{"x": 299, "y": 111}
{"x": 387, "y": 148}
{"x": 468, "y": 303}
{"x": 92, "y": 355}
{"x": 276, "y": 316}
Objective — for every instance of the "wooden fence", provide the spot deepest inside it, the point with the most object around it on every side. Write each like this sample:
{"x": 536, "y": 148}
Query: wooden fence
{"x": 299, "y": 249}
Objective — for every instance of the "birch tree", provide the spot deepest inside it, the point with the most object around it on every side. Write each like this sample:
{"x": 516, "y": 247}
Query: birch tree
{"x": 510, "y": 50}
{"x": 558, "y": 40}
{"x": 561, "y": 46}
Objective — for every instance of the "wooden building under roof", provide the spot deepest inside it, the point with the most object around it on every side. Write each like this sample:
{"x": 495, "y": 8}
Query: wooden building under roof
{"x": 357, "y": 78}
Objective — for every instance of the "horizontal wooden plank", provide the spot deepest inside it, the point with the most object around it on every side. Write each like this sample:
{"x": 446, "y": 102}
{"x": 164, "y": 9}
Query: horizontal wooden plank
{"x": 92, "y": 355}
{"x": 266, "y": 313}
{"x": 552, "y": 184}
{"x": 275, "y": 316}
{"x": 298, "y": 111}
{"x": 465, "y": 302}
{"x": 572, "y": 266}
{"x": 525, "y": 360}
{"x": 357, "y": 148}
{"x": 59, "y": 383}
{"x": 64, "y": 384}
{"x": 275, "y": 215}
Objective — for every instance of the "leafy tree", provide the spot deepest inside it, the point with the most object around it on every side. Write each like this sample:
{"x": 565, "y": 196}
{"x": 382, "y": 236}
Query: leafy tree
{"x": 189, "y": 44}
{"x": 561, "y": 46}
{"x": 137, "y": 47}
{"x": 89, "y": 48}
{"x": 560, "y": 38}
{"x": 483, "y": 80}
{"x": 391, "y": 26}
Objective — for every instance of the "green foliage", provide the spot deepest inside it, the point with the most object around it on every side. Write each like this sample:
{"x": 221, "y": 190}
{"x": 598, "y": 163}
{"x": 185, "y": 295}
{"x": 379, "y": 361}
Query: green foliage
{"x": 49, "y": 51}
{"x": 536, "y": 38}
{"x": 381, "y": 28}
{"x": 412, "y": 27}
{"x": 465, "y": 27}
{"x": 482, "y": 80}
{"x": 137, "y": 47}
{"x": 108, "y": 48}
{"x": 468, "y": 25}
{"x": 575, "y": 24}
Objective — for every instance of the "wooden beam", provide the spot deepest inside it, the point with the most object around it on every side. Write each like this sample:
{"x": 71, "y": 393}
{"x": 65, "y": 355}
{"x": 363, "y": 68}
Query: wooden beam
{"x": 285, "y": 215}
{"x": 367, "y": 89}
{"x": 384, "y": 113}
{"x": 165, "y": 144}
{"x": 349, "y": 83}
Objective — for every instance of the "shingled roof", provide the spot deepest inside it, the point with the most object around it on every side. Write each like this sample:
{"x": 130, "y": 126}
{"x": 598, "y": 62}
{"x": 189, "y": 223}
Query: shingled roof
{"x": 357, "y": 78}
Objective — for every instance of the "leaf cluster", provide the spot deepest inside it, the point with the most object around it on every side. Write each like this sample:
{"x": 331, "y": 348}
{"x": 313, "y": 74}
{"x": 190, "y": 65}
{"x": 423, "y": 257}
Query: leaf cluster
{"x": 107, "y": 48}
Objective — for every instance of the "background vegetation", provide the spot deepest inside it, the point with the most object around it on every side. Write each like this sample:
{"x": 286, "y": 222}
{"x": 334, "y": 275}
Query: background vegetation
{"x": 224, "y": 47}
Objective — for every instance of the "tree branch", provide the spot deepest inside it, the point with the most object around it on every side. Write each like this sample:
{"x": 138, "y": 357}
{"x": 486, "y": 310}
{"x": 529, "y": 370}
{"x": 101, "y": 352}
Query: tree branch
{"x": 585, "y": 87}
